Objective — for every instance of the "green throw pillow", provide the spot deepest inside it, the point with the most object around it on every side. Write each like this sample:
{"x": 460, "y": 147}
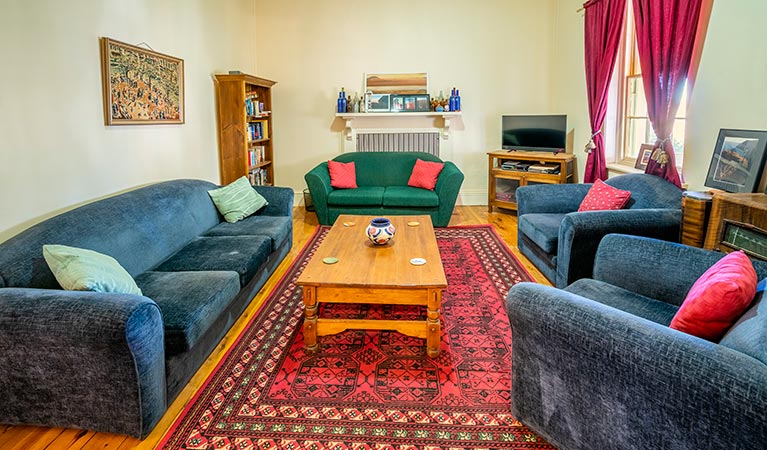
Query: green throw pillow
{"x": 77, "y": 269}
{"x": 237, "y": 200}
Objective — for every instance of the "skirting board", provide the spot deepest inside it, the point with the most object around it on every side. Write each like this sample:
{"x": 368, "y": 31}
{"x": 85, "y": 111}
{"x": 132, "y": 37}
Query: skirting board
{"x": 466, "y": 197}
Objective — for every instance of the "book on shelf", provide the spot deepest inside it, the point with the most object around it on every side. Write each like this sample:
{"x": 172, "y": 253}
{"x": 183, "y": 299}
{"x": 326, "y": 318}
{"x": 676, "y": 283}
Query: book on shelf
{"x": 252, "y": 105}
{"x": 258, "y": 177}
{"x": 258, "y": 130}
{"x": 256, "y": 155}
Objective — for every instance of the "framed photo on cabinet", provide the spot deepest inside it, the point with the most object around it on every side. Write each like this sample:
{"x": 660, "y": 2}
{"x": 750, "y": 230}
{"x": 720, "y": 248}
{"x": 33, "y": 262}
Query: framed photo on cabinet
{"x": 140, "y": 86}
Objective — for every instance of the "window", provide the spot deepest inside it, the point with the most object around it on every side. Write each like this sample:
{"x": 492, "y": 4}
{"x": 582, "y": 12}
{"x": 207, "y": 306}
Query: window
{"x": 633, "y": 124}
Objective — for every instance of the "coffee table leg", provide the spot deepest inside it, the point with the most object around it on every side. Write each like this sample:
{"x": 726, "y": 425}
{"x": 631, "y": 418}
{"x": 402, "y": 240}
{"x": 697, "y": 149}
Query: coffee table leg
{"x": 310, "y": 319}
{"x": 433, "y": 327}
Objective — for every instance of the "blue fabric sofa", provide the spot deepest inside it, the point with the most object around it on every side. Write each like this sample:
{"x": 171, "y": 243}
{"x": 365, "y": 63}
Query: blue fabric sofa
{"x": 114, "y": 362}
{"x": 596, "y": 366}
{"x": 561, "y": 242}
{"x": 382, "y": 179}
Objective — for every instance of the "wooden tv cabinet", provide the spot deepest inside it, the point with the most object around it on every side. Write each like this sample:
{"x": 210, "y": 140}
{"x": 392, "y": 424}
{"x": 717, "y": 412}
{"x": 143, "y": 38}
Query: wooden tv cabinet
{"x": 502, "y": 183}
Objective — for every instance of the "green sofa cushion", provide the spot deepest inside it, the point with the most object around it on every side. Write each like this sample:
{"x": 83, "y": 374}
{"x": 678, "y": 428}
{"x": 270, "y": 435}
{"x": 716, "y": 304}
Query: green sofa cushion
{"x": 361, "y": 196}
{"x": 410, "y": 196}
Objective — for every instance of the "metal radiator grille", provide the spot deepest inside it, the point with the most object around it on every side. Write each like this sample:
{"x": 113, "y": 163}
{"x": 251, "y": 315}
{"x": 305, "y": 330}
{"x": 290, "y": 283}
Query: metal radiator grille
{"x": 399, "y": 142}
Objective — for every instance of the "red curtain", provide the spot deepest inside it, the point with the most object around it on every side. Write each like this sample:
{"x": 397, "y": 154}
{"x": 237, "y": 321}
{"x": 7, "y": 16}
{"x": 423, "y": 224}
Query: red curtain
{"x": 603, "y": 27}
{"x": 665, "y": 37}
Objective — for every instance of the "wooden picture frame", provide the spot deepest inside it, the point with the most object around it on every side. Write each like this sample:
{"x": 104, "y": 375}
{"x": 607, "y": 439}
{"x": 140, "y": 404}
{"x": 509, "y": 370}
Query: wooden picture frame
{"x": 140, "y": 86}
{"x": 397, "y": 83}
{"x": 645, "y": 151}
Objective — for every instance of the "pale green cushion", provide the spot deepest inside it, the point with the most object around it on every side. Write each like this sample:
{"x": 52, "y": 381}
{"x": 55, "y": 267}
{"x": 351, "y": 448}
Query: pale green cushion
{"x": 78, "y": 269}
{"x": 237, "y": 200}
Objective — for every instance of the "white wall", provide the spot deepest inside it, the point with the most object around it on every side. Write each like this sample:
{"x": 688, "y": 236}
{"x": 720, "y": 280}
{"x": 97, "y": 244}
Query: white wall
{"x": 731, "y": 87}
{"x": 55, "y": 151}
{"x": 730, "y": 90}
{"x": 497, "y": 52}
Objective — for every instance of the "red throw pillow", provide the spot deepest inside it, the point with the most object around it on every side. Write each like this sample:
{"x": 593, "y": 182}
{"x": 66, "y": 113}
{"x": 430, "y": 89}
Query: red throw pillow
{"x": 342, "y": 175}
{"x": 718, "y": 298}
{"x": 602, "y": 196}
{"x": 425, "y": 174}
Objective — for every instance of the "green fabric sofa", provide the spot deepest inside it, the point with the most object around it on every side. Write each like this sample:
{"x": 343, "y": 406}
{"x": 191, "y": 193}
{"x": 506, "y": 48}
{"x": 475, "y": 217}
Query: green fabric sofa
{"x": 382, "y": 188}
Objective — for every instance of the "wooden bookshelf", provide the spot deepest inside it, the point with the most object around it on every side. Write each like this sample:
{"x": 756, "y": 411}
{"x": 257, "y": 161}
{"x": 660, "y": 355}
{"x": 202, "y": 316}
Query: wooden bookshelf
{"x": 245, "y": 132}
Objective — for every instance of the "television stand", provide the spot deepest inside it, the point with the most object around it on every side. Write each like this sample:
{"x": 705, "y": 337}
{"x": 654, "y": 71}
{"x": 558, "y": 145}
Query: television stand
{"x": 502, "y": 183}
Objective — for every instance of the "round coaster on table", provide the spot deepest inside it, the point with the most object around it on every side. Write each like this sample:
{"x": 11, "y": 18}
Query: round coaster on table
{"x": 417, "y": 261}
{"x": 349, "y": 224}
{"x": 413, "y": 224}
{"x": 330, "y": 260}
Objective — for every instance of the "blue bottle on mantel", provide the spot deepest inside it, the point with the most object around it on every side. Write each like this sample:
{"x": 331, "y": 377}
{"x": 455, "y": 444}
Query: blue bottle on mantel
{"x": 341, "y": 102}
{"x": 457, "y": 100}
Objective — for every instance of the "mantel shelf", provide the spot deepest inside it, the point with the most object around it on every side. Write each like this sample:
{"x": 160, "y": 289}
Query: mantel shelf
{"x": 351, "y": 117}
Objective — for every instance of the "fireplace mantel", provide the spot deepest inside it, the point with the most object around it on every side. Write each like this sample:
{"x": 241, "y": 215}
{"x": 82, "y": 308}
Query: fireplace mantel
{"x": 369, "y": 120}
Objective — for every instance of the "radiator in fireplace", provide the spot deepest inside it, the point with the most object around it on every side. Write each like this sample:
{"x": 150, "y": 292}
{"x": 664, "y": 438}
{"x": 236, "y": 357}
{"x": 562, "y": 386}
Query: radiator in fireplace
{"x": 427, "y": 141}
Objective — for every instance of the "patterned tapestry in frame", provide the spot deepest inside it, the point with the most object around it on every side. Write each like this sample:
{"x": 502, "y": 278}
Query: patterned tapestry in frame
{"x": 140, "y": 86}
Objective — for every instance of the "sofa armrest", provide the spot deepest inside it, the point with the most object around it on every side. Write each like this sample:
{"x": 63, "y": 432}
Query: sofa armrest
{"x": 280, "y": 200}
{"x": 447, "y": 189}
{"x": 318, "y": 181}
{"x": 550, "y": 198}
{"x": 580, "y": 233}
{"x": 668, "y": 269}
{"x": 81, "y": 359}
{"x": 588, "y": 376}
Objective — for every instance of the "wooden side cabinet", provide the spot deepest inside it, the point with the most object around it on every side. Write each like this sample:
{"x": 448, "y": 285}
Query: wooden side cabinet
{"x": 696, "y": 209}
{"x": 508, "y": 170}
{"x": 738, "y": 222}
{"x": 245, "y": 132}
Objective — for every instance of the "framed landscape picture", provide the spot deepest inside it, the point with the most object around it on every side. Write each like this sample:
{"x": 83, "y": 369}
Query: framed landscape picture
{"x": 141, "y": 87}
{"x": 738, "y": 160}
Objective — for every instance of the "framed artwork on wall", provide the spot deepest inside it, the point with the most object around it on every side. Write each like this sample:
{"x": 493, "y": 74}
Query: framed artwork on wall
{"x": 738, "y": 160}
{"x": 140, "y": 86}
{"x": 397, "y": 83}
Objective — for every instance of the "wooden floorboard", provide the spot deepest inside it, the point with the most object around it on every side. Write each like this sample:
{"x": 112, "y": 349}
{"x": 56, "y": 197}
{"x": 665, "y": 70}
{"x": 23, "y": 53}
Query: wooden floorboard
{"x": 304, "y": 225}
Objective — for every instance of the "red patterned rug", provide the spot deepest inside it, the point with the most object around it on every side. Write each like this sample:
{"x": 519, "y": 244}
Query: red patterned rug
{"x": 371, "y": 389}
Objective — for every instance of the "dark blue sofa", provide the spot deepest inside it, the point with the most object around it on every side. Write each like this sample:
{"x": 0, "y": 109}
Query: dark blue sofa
{"x": 114, "y": 362}
{"x": 595, "y": 366}
{"x": 562, "y": 242}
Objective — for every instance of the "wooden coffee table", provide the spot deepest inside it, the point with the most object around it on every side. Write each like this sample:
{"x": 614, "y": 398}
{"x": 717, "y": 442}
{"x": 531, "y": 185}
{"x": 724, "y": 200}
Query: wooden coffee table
{"x": 370, "y": 274}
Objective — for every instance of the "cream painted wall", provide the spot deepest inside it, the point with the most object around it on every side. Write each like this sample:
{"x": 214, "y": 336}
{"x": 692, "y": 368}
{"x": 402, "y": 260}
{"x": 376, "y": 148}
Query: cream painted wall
{"x": 497, "y": 52}
{"x": 55, "y": 151}
{"x": 731, "y": 87}
{"x": 730, "y": 91}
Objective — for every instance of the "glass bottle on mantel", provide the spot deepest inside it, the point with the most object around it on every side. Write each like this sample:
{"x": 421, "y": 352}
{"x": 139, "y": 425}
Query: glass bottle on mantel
{"x": 341, "y": 108}
{"x": 348, "y": 103}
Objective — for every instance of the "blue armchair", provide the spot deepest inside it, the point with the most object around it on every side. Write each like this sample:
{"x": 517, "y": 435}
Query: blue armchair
{"x": 562, "y": 242}
{"x": 596, "y": 366}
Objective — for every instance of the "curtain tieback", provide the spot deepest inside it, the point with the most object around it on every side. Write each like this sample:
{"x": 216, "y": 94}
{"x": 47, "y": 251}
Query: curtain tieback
{"x": 659, "y": 155}
{"x": 590, "y": 145}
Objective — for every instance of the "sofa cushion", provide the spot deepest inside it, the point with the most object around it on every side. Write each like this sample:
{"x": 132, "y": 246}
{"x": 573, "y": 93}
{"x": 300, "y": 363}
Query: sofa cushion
{"x": 190, "y": 302}
{"x": 78, "y": 269}
{"x": 342, "y": 175}
{"x": 410, "y": 196}
{"x": 718, "y": 298}
{"x": 277, "y": 228}
{"x": 361, "y": 196}
{"x": 602, "y": 196}
{"x": 749, "y": 334}
{"x": 241, "y": 254}
{"x": 619, "y": 298}
{"x": 425, "y": 174}
{"x": 237, "y": 200}
{"x": 542, "y": 229}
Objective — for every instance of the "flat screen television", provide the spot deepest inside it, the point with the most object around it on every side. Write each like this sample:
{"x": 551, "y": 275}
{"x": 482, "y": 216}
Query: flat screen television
{"x": 542, "y": 133}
